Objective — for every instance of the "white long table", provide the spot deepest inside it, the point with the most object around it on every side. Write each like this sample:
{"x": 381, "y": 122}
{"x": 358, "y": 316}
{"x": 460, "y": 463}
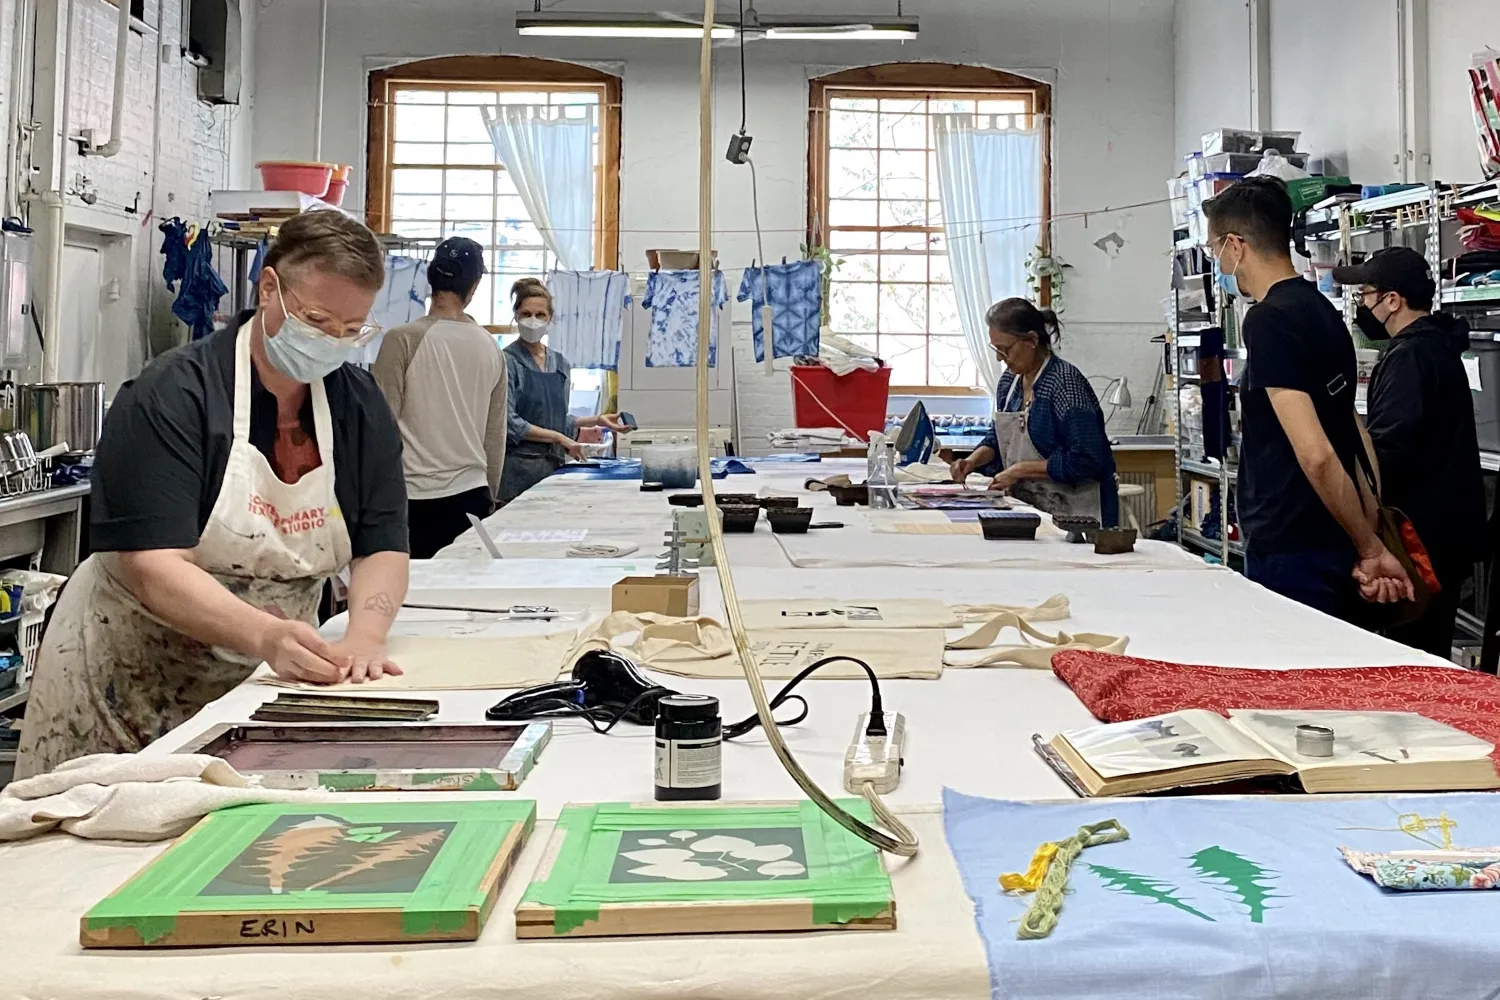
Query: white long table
{"x": 969, "y": 731}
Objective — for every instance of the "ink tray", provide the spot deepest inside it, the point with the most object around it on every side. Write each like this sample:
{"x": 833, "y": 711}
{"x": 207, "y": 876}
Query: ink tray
{"x": 1014, "y": 525}
{"x": 740, "y": 517}
{"x": 789, "y": 520}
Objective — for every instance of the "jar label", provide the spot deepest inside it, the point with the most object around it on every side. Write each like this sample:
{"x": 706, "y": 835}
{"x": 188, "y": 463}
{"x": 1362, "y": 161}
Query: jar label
{"x": 688, "y": 763}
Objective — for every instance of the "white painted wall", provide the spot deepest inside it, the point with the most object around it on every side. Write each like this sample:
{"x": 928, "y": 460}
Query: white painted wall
{"x": 1334, "y": 77}
{"x": 1211, "y": 46}
{"x": 1111, "y": 61}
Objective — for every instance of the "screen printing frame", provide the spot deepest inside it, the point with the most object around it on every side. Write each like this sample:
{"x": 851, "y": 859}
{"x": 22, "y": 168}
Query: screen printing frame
{"x": 505, "y": 775}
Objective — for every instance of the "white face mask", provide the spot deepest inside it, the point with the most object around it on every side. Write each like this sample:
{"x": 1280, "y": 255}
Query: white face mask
{"x": 532, "y": 329}
{"x": 299, "y": 349}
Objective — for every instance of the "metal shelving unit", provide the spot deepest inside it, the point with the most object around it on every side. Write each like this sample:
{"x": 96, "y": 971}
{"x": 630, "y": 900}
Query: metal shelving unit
{"x": 15, "y": 698}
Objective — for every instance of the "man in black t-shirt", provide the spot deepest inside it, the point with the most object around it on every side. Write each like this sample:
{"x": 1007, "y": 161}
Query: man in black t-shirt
{"x": 1308, "y": 526}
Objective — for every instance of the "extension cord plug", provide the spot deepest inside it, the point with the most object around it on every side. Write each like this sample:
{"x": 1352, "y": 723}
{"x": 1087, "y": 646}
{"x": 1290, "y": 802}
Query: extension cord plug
{"x": 875, "y": 760}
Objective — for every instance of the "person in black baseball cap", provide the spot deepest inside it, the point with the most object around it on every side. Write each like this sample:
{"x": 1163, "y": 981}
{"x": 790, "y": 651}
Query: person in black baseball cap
{"x": 1421, "y": 422}
{"x": 457, "y": 265}
{"x": 445, "y": 380}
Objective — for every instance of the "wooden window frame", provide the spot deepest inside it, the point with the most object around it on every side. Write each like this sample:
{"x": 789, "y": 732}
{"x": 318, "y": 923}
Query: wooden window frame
{"x": 908, "y": 80}
{"x": 495, "y": 73}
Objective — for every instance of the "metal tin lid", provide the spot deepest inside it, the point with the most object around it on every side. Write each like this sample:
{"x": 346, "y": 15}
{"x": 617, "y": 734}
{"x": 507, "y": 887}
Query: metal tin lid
{"x": 687, "y": 708}
{"x": 1314, "y": 741}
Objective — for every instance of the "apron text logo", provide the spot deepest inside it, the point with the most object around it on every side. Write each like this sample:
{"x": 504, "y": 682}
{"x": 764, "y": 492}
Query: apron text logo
{"x": 290, "y": 524}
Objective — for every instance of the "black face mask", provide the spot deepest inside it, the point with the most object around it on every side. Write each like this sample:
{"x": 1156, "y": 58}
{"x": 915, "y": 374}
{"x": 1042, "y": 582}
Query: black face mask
{"x": 1370, "y": 325}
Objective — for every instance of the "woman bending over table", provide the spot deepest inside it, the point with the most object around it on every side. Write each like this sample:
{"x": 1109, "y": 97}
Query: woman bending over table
{"x": 1048, "y": 445}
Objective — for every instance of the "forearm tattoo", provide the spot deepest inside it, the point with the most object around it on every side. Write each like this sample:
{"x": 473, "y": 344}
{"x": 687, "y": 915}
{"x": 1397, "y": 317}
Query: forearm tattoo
{"x": 381, "y": 604}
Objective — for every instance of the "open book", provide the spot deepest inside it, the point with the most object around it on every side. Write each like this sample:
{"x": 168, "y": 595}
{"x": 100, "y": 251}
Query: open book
{"x": 1372, "y": 752}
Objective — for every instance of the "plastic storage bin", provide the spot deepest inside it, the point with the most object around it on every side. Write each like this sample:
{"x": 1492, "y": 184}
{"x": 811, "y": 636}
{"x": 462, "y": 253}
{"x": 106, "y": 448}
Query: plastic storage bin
{"x": 855, "y": 402}
{"x": 1230, "y": 140}
{"x": 1487, "y": 397}
{"x": 295, "y": 175}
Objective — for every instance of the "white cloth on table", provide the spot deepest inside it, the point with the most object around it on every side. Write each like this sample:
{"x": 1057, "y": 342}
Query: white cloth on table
{"x": 588, "y": 314}
{"x": 672, "y": 297}
{"x": 126, "y": 796}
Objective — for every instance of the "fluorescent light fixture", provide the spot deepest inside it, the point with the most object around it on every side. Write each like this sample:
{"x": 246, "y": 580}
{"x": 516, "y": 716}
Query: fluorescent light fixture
{"x": 581, "y": 24}
{"x": 836, "y": 28}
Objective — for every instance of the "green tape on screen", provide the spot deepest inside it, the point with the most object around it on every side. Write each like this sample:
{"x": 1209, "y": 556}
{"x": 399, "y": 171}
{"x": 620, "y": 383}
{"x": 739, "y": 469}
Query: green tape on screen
{"x": 451, "y": 887}
{"x": 845, "y": 879}
{"x": 338, "y": 780}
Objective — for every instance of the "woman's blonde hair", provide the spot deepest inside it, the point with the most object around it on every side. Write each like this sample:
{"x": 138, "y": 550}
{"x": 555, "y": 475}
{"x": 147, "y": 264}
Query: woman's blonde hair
{"x": 330, "y": 242}
{"x": 529, "y": 288}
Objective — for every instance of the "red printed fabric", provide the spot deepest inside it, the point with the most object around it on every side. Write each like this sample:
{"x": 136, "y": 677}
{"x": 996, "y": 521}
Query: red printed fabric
{"x": 1120, "y": 688}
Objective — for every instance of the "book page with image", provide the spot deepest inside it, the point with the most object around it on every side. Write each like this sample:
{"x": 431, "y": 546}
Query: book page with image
{"x": 1363, "y": 737}
{"x": 1163, "y": 743}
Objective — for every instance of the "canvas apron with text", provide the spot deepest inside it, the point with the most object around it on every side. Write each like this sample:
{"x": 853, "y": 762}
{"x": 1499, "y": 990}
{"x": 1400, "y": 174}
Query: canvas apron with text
{"x": 1044, "y": 494}
{"x": 112, "y": 677}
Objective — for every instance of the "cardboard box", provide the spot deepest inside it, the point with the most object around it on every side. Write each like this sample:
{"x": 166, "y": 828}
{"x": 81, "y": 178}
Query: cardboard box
{"x": 665, "y": 595}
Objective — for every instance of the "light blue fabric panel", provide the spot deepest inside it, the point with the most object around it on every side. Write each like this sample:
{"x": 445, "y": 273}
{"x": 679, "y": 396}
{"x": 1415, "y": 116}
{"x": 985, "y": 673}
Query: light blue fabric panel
{"x": 796, "y": 294}
{"x": 1178, "y": 911}
{"x": 588, "y": 309}
{"x": 672, "y": 297}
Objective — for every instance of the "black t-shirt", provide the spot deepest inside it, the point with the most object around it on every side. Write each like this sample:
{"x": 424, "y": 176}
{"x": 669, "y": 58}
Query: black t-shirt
{"x": 1297, "y": 340}
{"x": 166, "y": 440}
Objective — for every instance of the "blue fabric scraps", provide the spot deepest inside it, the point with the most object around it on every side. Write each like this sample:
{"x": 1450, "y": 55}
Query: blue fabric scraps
{"x": 795, "y": 292}
{"x": 201, "y": 288}
{"x": 672, "y": 297}
{"x": 622, "y": 469}
{"x": 1221, "y": 897}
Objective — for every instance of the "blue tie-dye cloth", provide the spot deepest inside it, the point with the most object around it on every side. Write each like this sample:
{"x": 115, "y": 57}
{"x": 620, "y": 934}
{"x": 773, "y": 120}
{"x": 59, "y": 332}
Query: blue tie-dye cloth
{"x": 621, "y": 469}
{"x": 1233, "y": 898}
{"x": 796, "y": 294}
{"x": 672, "y": 297}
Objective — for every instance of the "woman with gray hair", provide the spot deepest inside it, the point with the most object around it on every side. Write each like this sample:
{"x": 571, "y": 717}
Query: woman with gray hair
{"x": 1048, "y": 445}
{"x": 234, "y": 477}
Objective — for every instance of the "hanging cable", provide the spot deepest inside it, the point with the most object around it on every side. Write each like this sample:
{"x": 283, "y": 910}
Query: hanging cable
{"x": 744, "y": 100}
{"x": 899, "y": 840}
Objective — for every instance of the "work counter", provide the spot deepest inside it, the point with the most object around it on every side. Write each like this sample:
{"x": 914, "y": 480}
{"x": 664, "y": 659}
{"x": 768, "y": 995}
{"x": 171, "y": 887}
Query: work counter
{"x": 970, "y": 731}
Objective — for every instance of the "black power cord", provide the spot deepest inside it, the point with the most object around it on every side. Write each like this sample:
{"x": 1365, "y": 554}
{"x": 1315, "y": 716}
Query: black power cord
{"x": 877, "y": 708}
{"x": 611, "y": 717}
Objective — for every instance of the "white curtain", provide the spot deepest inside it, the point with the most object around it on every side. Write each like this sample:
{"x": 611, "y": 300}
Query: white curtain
{"x": 551, "y": 161}
{"x": 990, "y": 183}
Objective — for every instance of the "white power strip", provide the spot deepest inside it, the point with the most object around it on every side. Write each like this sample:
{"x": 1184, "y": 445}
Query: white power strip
{"x": 875, "y": 759}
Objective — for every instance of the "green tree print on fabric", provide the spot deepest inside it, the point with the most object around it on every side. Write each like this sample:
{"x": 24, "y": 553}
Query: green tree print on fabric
{"x": 1147, "y": 888}
{"x": 1238, "y": 875}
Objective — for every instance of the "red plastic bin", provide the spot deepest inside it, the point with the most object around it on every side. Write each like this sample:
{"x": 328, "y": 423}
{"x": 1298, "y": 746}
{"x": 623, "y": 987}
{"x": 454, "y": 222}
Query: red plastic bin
{"x": 855, "y": 402}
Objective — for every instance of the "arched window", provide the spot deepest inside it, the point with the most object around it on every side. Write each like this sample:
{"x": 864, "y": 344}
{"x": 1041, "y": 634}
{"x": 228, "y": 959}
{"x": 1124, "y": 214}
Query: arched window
{"x": 873, "y": 202}
{"x": 434, "y": 173}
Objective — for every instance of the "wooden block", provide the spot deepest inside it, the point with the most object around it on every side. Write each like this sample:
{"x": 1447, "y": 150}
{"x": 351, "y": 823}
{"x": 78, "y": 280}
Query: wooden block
{"x": 664, "y": 595}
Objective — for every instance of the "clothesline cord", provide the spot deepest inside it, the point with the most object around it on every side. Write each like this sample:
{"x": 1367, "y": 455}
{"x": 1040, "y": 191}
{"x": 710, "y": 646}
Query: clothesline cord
{"x": 1022, "y": 222}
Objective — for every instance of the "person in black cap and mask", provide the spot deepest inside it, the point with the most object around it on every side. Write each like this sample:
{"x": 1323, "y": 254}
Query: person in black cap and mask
{"x": 1421, "y": 421}
{"x": 444, "y": 378}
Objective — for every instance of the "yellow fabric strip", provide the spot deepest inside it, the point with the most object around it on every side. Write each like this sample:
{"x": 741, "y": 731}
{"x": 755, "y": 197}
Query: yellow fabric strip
{"x": 1032, "y": 877}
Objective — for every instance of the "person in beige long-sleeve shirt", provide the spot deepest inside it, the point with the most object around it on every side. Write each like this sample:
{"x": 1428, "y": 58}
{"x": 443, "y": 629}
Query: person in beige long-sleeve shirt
{"x": 444, "y": 378}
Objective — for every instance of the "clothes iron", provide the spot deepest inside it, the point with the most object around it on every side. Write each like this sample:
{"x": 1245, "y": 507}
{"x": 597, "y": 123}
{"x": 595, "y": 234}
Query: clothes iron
{"x": 916, "y": 439}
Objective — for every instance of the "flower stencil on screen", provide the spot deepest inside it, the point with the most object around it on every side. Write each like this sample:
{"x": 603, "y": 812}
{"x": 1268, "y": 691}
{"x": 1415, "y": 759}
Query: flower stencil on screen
{"x": 754, "y": 855}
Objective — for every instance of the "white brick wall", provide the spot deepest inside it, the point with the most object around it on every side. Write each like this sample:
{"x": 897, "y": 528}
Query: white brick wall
{"x": 175, "y": 148}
